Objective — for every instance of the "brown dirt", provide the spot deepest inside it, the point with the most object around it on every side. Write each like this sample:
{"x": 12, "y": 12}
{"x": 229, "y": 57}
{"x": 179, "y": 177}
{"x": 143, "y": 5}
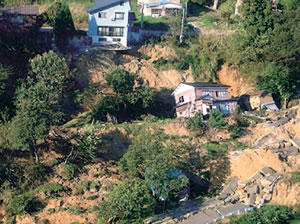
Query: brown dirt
{"x": 238, "y": 82}
{"x": 286, "y": 194}
{"x": 250, "y": 161}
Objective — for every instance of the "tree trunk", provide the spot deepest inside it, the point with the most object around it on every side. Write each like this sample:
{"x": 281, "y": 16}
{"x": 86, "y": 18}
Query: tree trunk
{"x": 216, "y": 2}
{"x": 34, "y": 152}
{"x": 237, "y": 7}
{"x": 37, "y": 160}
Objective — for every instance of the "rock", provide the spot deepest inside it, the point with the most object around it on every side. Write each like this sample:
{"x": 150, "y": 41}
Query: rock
{"x": 295, "y": 142}
{"x": 257, "y": 176}
{"x": 266, "y": 171}
{"x": 252, "y": 190}
{"x": 292, "y": 150}
{"x": 292, "y": 114}
{"x": 251, "y": 199}
{"x": 230, "y": 188}
{"x": 282, "y": 121}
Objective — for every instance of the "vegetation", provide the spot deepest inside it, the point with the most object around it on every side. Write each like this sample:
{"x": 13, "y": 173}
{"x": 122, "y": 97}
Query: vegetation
{"x": 38, "y": 100}
{"x": 196, "y": 122}
{"x": 266, "y": 215}
{"x": 130, "y": 201}
{"x": 132, "y": 98}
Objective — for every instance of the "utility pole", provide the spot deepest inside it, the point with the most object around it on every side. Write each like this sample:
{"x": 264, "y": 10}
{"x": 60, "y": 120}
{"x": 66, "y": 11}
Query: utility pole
{"x": 182, "y": 24}
{"x": 142, "y": 16}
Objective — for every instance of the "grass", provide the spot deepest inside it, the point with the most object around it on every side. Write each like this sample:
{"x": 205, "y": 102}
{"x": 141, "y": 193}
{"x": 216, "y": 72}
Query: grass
{"x": 153, "y": 24}
{"x": 208, "y": 20}
{"x": 50, "y": 189}
{"x": 215, "y": 147}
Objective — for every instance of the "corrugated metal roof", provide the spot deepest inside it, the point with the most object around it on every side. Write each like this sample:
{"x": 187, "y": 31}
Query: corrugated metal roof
{"x": 26, "y": 10}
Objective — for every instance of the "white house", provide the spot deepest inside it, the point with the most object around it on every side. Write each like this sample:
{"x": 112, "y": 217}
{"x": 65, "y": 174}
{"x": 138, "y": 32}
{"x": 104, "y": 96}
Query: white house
{"x": 109, "y": 22}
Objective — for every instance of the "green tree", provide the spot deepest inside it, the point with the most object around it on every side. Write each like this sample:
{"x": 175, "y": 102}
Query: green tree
{"x": 163, "y": 178}
{"x": 280, "y": 80}
{"x": 38, "y": 100}
{"x": 196, "y": 122}
{"x": 129, "y": 202}
{"x": 266, "y": 215}
{"x": 216, "y": 119}
{"x": 132, "y": 97}
{"x": 5, "y": 73}
{"x": 120, "y": 80}
{"x": 60, "y": 18}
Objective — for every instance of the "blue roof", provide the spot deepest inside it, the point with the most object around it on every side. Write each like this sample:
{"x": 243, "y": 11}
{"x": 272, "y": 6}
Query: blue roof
{"x": 161, "y": 2}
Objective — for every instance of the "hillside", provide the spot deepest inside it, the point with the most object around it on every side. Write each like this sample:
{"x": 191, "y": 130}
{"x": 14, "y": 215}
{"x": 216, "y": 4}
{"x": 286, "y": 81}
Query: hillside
{"x": 69, "y": 194}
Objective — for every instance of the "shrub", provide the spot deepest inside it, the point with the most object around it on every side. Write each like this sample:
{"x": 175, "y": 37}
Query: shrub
{"x": 266, "y": 215}
{"x": 76, "y": 210}
{"x": 20, "y": 203}
{"x": 50, "y": 189}
{"x": 129, "y": 202}
{"x": 181, "y": 65}
{"x": 236, "y": 130}
{"x": 69, "y": 171}
{"x": 216, "y": 119}
{"x": 195, "y": 122}
{"x": 160, "y": 62}
{"x": 88, "y": 144}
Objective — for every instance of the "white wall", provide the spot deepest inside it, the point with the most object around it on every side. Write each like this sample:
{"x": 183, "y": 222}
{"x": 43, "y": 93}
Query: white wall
{"x": 109, "y": 21}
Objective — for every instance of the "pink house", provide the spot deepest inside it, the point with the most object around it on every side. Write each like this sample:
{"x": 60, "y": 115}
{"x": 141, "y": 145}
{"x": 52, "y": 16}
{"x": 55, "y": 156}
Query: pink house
{"x": 156, "y": 8}
{"x": 202, "y": 97}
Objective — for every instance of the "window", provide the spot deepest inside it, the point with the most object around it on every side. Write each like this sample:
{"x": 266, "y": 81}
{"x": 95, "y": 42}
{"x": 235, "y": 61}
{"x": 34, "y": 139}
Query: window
{"x": 102, "y": 39}
{"x": 221, "y": 94}
{"x": 102, "y": 14}
{"x": 156, "y": 11}
{"x": 116, "y": 39}
{"x": 119, "y": 15}
{"x": 111, "y": 31}
{"x": 121, "y": 3}
{"x": 181, "y": 99}
{"x": 205, "y": 93}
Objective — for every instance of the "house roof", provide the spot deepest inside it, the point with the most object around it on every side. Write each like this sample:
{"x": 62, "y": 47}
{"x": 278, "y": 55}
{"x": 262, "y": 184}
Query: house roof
{"x": 204, "y": 84}
{"x": 161, "y": 2}
{"x": 99, "y": 4}
{"x": 26, "y": 10}
{"x": 260, "y": 93}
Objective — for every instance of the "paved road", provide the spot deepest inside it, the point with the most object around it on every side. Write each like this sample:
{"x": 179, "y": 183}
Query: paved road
{"x": 208, "y": 215}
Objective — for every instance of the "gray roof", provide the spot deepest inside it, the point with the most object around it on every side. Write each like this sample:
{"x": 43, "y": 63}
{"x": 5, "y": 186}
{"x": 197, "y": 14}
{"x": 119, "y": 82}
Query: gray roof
{"x": 205, "y": 84}
{"x": 26, "y": 10}
{"x": 99, "y": 4}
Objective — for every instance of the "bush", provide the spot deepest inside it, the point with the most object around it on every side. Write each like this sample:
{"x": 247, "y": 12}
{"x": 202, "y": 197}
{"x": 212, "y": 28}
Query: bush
{"x": 50, "y": 189}
{"x": 216, "y": 119}
{"x": 160, "y": 62}
{"x": 69, "y": 171}
{"x": 236, "y": 130}
{"x": 129, "y": 202}
{"x": 181, "y": 65}
{"x": 195, "y": 122}
{"x": 20, "y": 203}
{"x": 266, "y": 215}
{"x": 87, "y": 147}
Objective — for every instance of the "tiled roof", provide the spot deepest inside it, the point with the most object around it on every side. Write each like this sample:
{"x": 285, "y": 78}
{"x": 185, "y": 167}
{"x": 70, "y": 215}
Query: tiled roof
{"x": 205, "y": 84}
{"x": 26, "y": 10}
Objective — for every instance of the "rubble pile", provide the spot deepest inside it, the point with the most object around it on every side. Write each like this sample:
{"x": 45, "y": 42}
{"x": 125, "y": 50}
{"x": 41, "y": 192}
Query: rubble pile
{"x": 253, "y": 191}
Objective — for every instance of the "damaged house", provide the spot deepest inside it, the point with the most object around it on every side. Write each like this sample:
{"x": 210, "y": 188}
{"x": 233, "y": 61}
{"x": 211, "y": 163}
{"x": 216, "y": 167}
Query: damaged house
{"x": 203, "y": 97}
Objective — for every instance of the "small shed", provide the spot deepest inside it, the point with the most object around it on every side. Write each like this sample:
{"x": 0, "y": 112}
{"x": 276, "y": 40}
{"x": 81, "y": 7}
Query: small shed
{"x": 258, "y": 99}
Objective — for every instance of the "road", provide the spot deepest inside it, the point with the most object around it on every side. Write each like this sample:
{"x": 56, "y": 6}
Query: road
{"x": 209, "y": 215}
